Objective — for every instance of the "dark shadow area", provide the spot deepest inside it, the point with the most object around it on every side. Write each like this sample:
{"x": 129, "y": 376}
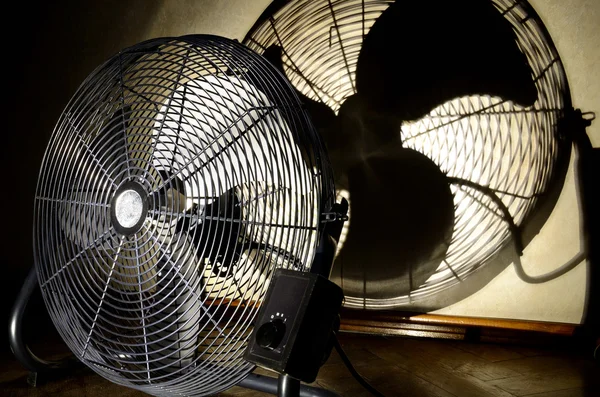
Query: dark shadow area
{"x": 55, "y": 49}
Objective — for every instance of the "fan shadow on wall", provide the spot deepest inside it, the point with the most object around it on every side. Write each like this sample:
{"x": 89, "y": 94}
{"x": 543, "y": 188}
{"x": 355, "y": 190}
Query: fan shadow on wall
{"x": 427, "y": 72}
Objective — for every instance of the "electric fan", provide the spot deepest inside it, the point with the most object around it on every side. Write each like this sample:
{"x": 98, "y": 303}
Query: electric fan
{"x": 180, "y": 176}
{"x": 447, "y": 128}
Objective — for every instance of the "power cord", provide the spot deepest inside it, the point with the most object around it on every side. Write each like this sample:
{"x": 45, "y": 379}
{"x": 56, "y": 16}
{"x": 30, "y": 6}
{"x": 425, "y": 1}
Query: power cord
{"x": 363, "y": 382}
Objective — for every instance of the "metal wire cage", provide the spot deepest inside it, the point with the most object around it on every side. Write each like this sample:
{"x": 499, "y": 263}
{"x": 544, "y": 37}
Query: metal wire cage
{"x": 518, "y": 153}
{"x": 179, "y": 176}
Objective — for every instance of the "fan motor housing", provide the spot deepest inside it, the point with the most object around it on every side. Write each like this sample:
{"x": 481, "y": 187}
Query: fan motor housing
{"x": 293, "y": 330}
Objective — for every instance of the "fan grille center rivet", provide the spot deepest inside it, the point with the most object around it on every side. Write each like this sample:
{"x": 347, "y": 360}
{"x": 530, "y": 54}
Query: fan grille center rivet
{"x": 128, "y": 208}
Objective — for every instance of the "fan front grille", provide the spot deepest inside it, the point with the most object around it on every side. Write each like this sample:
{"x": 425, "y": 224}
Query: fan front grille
{"x": 179, "y": 176}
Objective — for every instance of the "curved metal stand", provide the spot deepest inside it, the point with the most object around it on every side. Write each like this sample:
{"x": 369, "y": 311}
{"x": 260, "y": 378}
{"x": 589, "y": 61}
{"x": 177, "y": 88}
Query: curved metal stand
{"x": 288, "y": 386}
{"x": 285, "y": 386}
{"x": 15, "y": 335}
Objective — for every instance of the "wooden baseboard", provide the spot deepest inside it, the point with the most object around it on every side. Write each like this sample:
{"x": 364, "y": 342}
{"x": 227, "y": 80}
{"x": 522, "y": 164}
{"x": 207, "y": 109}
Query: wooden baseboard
{"x": 455, "y": 327}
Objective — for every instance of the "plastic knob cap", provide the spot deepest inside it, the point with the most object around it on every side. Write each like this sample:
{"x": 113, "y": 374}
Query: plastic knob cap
{"x": 270, "y": 334}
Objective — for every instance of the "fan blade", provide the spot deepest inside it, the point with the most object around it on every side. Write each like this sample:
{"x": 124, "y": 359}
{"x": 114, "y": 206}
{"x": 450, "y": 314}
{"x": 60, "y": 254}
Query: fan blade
{"x": 173, "y": 333}
{"x": 115, "y": 148}
{"x": 227, "y": 173}
{"x": 401, "y": 71}
{"x": 210, "y": 146}
{"x": 322, "y": 116}
{"x": 81, "y": 217}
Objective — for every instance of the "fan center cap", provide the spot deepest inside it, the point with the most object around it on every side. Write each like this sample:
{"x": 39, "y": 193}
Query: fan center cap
{"x": 128, "y": 208}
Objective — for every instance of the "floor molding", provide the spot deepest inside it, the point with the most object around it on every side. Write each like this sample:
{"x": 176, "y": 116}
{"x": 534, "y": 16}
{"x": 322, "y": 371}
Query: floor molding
{"x": 455, "y": 327}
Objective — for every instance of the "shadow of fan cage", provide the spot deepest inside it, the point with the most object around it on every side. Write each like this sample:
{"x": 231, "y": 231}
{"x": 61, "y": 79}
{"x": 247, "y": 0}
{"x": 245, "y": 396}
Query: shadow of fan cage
{"x": 477, "y": 87}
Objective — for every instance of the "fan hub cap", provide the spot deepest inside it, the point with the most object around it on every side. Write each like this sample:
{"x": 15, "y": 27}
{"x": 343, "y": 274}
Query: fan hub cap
{"x": 129, "y": 208}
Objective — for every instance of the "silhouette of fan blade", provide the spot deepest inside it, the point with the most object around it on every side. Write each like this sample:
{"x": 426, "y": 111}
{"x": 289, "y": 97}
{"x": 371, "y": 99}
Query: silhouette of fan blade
{"x": 401, "y": 224}
{"x": 402, "y": 71}
{"x": 359, "y": 132}
{"x": 322, "y": 116}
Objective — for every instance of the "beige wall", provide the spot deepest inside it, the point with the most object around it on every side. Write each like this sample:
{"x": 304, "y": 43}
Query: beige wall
{"x": 230, "y": 18}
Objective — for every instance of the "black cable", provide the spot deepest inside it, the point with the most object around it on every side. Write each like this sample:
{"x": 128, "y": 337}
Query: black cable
{"x": 512, "y": 227}
{"x": 363, "y": 382}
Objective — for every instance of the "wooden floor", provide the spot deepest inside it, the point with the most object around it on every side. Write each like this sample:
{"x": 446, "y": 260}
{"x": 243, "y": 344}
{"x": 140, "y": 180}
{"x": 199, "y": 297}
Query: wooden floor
{"x": 397, "y": 367}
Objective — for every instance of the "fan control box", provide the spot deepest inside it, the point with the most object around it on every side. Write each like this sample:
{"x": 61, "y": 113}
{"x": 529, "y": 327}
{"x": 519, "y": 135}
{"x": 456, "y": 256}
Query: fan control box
{"x": 294, "y": 328}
